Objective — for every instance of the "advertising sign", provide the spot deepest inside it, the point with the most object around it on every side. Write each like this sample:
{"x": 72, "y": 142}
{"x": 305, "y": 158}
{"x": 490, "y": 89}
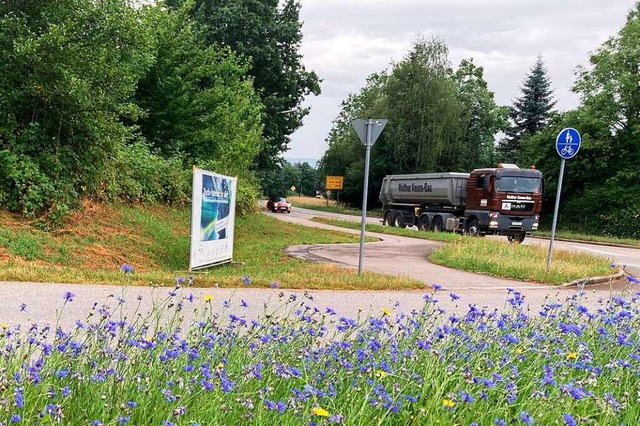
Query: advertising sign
{"x": 334, "y": 182}
{"x": 213, "y": 212}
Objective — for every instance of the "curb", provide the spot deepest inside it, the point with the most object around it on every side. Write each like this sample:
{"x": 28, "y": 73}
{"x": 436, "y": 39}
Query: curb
{"x": 595, "y": 280}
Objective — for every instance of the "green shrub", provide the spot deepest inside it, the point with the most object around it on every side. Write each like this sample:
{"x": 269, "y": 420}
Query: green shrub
{"x": 26, "y": 188}
{"x": 137, "y": 175}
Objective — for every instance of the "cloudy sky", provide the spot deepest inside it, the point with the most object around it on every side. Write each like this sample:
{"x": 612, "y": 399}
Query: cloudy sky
{"x": 347, "y": 40}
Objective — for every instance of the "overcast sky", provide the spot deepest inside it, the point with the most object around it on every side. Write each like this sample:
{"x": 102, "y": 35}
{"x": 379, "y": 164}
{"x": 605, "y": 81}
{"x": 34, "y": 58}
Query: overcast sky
{"x": 347, "y": 40}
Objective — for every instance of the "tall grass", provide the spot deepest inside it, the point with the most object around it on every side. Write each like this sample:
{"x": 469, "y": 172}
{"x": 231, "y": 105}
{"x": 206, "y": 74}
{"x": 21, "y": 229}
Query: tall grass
{"x": 564, "y": 365}
{"x": 520, "y": 261}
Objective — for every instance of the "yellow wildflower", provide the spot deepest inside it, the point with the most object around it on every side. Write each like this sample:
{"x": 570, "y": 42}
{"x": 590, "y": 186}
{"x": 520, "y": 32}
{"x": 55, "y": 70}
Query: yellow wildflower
{"x": 208, "y": 298}
{"x": 386, "y": 312}
{"x": 572, "y": 355}
{"x": 318, "y": 411}
{"x": 221, "y": 365}
{"x": 448, "y": 403}
{"x": 518, "y": 351}
{"x": 5, "y": 325}
{"x": 382, "y": 374}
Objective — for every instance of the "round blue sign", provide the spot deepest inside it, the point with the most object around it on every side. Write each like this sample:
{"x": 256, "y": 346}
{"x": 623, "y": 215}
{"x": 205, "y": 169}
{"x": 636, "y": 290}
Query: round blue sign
{"x": 568, "y": 143}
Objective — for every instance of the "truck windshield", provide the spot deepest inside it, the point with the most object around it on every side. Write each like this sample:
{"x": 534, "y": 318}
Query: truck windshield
{"x": 529, "y": 185}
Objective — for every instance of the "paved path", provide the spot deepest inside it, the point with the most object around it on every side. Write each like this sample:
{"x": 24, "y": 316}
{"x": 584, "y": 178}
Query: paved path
{"x": 393, "y": 255}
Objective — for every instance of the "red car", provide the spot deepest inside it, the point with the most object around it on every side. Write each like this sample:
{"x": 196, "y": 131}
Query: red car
{"x": 279, "y": 204}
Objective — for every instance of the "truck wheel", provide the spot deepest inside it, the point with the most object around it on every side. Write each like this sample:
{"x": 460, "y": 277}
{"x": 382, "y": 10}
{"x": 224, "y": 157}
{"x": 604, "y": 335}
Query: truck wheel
{"x": 388, "y": 218}
{"x": 473, "y": 228}
{"x": 398, "y": 220}
{"x": 423, "y": 223}
{"x": 516, "y": 238}
{"x": 436, "y": 225}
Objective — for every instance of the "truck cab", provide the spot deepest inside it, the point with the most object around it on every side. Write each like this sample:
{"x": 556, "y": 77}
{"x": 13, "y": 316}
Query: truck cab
{"x": 505, "y": 200}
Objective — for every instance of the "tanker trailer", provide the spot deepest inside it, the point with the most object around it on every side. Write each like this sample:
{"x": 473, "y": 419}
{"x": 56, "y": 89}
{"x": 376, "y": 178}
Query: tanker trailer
{"x": 504, "y": 201}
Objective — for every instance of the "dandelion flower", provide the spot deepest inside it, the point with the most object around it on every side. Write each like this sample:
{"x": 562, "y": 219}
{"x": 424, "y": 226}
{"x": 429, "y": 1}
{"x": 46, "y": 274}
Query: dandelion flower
{"x": 4, "y": 325}
{"x": 208, "y": 298}
{"x": 319, "y": 411}
{"x": 381, "y": 374}
{"x": 448, "y": 403}
{"x": 572, "y": 355}
{"x": 386, "y": 312}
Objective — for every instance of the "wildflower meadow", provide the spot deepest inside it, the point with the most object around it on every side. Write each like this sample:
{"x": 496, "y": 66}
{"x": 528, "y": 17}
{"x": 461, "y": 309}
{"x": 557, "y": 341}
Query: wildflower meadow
{"x": 187, "y": 362}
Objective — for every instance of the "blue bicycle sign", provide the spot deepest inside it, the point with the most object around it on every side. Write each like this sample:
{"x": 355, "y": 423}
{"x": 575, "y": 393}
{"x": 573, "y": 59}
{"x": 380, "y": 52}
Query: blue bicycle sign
{"x": 568, "y": 143}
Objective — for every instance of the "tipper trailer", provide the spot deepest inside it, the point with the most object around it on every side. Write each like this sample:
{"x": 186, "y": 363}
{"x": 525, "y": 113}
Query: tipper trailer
{"x": 502, "y": 201}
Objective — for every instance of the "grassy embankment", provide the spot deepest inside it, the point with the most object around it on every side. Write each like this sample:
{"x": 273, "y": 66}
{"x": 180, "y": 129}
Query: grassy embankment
{"x": 95, "y": 243}
{"x": 498, "y": 257}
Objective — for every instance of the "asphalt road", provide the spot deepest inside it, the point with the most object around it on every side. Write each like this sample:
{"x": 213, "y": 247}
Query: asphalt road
{"x": 44, "y": 303}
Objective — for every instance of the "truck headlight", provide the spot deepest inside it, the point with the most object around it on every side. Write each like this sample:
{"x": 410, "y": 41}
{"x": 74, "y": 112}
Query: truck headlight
{"x": 534, "y": 226}
{"x": 493, "y": 224}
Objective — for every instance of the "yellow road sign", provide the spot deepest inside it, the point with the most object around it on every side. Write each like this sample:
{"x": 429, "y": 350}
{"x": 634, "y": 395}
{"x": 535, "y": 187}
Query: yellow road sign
{"x": 334, "y": 182}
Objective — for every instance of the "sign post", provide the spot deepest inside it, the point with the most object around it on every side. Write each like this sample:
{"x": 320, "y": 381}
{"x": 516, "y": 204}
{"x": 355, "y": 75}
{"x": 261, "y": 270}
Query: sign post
{"x": 334, "y": 182}
{"x": 567, "y": 146}
{"x": 368, "y": 131}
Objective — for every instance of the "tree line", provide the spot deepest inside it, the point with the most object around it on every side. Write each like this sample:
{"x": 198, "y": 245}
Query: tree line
{"x": 443, "y": 118}
{"x": 110, "y": 100}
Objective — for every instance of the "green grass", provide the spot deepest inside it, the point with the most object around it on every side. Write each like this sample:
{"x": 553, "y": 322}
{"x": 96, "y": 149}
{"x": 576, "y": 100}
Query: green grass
{"x": 499, "y": 258}
{"x": 155, "y": 241}
{"x": 520, "y": 261}
{"x": 403, "y": 232}
{"x": 589, "y": 238}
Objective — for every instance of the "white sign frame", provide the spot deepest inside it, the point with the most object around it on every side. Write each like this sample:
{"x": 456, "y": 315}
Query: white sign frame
{"x": 212, "y": 236}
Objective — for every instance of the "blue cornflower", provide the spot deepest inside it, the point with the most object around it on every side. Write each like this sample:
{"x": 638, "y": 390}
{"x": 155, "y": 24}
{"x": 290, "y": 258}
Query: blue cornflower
{"x": 526, "y": 418}
{"x": 632, "y": 279}
{"x": 569, "y": 420}
{"x": 68, "y": 296}
{"x": 97, "y": 423}
{"x": 500, "y": 422}
{"x": 454, "y": 296}
{"x": 244, "y": 303}
{"x": 132, "y": 404}
{"x": 15, "y": 418}
{"x": 19, "y": 398}
{"x": 281, "y": 407}
{"x": 275, "y": 285}
{"x": 335, "y": 418}
{"x": 127, "y": 269}
{"x": 66, "y": 391}
{"x": 179, "y": 281}
{"x": 436, "y": 287}
{"x": 23, "y": 307}
{"x": 246, "y": 280}
{"x": 123, "y": 420}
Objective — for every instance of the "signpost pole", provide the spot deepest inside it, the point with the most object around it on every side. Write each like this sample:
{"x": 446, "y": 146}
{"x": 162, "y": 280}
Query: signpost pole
{"x": 568, "y": 144}
{"x": 368, "y": 134}
{"x": 555, "y": 214}
{"x": 364, "y": 195}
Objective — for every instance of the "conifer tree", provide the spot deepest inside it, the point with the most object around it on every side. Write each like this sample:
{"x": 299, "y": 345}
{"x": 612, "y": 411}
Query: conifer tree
{"x": 530, "y": 113}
